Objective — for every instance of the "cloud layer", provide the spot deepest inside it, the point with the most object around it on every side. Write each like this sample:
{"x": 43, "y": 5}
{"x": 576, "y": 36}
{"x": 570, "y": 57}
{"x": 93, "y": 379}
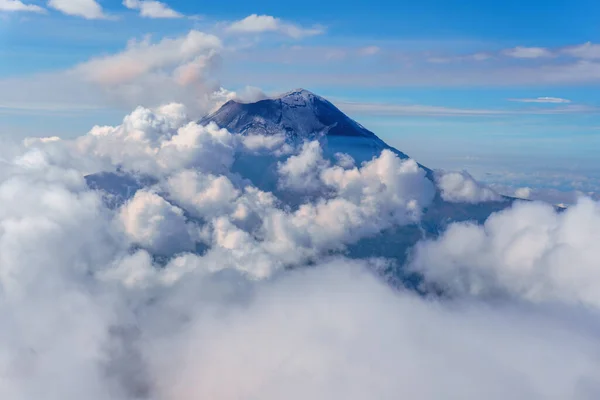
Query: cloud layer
{"x": 195, "y": 283}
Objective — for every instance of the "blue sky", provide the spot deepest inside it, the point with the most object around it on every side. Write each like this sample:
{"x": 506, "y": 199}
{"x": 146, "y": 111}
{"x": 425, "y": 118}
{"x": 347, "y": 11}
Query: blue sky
{"x": 505, "y": 89}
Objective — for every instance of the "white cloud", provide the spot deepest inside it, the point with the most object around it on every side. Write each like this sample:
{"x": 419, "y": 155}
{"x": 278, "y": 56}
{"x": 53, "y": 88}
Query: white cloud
{"x": 150, "y": 221}
{"x": 78, "y": 296}
{"x": 142, "y": 57}
{"x": 460, "y": 187}
{"x": 530, "y": 251}
{"x": 247, "y": 94}
{"x": 428, "y": 110}
{"x": 88, "y": 9}
{"x": 589, "y": 51}
{"x": 523, "y": 192}
{"x": 301, "y": 172}
{"x": 336, "y": 332}
{"x": 161, "y": 141}
{"x": 17, "y": 5}
{"x": 528, "y": 52}
{"x": 152, "y": 9}
{"x": 552, "y": 100}
{"x": 546, "y": 194}
{"x": 480, "y": 56}
{"x": 177, "y": 69}
{"x": 265, "y": 23}
{"x": 413, "y": 109}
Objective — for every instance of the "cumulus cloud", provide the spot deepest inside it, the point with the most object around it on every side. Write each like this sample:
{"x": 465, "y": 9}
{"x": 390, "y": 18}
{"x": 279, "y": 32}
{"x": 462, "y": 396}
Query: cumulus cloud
{"x": 201, "y": 285}
{"x": 301, "y": 172}
{"x": 461, "y": 187}
{"x": 158, "y": 142}
{"x": 530, "y": 251}
{"x": 265, "y": 23}
{"x": 150, "y": 221}
{"x": 17, "y": 5}
{"x": 88, "y": 9}
{"x": 152, "y": 9}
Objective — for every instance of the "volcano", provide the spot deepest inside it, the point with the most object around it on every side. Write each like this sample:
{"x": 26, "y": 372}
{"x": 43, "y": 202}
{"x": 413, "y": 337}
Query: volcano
{"x": 302, "y": 115}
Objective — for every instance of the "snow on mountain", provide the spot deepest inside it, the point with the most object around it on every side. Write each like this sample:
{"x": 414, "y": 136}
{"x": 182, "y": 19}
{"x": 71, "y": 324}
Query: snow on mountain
{"x": 298, "y": 113}
{"x": 301, "y": 115}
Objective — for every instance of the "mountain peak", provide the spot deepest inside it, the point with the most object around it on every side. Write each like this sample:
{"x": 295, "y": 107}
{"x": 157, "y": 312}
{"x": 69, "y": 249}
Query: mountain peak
{"x": 303, "y": 93}
{"x": 297, "y": 91}
{"x": 297, "y": 114}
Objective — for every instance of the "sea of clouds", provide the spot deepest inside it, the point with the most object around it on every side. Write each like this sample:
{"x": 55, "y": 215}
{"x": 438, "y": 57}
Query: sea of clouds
{"x": 200, "y": 285}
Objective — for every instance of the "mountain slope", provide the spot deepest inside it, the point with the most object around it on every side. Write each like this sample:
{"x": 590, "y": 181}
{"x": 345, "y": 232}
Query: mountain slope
{"x": 298, "y": 113}
{"x": 301, "y": 115}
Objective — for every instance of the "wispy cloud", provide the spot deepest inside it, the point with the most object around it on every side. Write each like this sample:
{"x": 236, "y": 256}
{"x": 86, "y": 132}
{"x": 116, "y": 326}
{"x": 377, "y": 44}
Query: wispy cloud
{"x": 586, "y": 51}
{"x": 528, "y": 52}
{"x": 388, "y": 109}
{"x": 47, "y": 108}
{"x": 369, "y": 50}
{"x": 553, "y": 100}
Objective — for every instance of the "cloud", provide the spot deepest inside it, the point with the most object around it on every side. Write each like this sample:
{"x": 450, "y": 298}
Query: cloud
{"x": 301, "y": 172}
{"x": 156, "y": 225}
{"x": 17, "y": 5}
{"x": 141, "y": 57}
{"x": 553, "y": 100}
{"x": 527, "y": 52}
{"x": 145, "y": 72}
{"x": 530, "y": 251}
{"x": 369, "y": 51}
{"x": 428, "y": 110}
{"x": 481, "y": 56}
{"x": 588, "y": 51}
{"x": 412, "y": 109}
{"x": 247, "y": 94}
{"x": 320, "y": 352}
{"x": 548, "y": 195}
{"x": 152, "y": 9}
{"x": 523, "y": 193}
{"x": 88, "y": 9}
{"x": 265, "y": 23}
{"x": 190, "y": 167}
{"x": 170, "y": 293}
{"x": 460, "y": 187}
{"x": 158, "y": 142}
